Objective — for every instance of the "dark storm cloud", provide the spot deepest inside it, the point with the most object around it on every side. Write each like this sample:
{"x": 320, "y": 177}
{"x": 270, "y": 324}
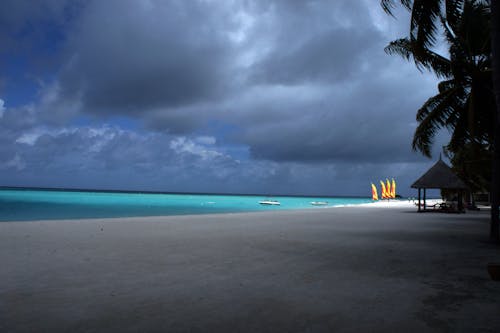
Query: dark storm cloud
{"x": 176, "y": 120}
{"x": 130, "y": 57}
{"x": 157, "y": 61}
{"x": 331, "y": 56}
{"x": 313, "y": 41}
{"x": 359, "y": 121}
{"x": 334, "y": 136}
{"x": 326, "y": 92}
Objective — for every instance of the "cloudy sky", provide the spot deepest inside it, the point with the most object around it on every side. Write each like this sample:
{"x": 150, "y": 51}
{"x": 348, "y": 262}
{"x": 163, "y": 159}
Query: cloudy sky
{"x": 281, "y": 96}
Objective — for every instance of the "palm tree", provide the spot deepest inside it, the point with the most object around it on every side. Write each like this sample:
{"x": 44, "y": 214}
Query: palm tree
{"x": 463, "y": 104}
{"x": 495, "y": 172}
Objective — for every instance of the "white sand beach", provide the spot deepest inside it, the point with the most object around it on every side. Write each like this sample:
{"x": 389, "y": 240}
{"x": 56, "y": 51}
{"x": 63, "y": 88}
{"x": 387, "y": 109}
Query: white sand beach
{"x": 379, "y": 268}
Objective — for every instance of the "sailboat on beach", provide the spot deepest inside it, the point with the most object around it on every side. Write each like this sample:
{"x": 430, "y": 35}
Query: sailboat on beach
{"x": 387, "y": 190}
{"x": 374, "y": 193}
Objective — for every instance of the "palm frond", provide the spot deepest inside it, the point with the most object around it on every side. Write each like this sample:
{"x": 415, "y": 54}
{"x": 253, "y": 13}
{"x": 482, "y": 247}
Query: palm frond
{"x": 389, "y": 5}
{"x": 449, "y": 30}
{"x": 459, "y": 134}
{"x": 453, "y": 11}
{"x": 424, "y": 59}
{"x": 446, "y": 85}
{"x": 423, "y": 27}
{"x": 459, "y": 107}
{"x": 401, "y": 47}
{"x": 423, "y": 139}
{"x": 475, "y": 28}
{"x": 438, "y": 102}
{"x": 432, "y": 116}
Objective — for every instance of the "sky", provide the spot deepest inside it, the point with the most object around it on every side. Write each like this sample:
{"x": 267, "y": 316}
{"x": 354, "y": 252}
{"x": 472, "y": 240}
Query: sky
{"x": 250, "y": 96}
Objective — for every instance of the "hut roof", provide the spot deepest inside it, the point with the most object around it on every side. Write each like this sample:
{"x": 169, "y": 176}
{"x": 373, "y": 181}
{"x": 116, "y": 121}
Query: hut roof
{"x": 440, "y": 176}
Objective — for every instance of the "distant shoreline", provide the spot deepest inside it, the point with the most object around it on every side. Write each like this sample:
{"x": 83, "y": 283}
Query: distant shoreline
{"x": 63, "y": 189}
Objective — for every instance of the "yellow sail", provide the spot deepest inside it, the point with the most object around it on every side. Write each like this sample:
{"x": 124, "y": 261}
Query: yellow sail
{"x": 393, "y": 189}
{"x": 388, "y": 188}
{"x": 382, "y": 189}
{"x": 374, "y": 192}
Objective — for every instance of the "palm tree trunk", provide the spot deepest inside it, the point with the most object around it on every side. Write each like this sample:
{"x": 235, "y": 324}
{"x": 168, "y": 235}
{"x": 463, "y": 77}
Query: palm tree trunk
{"x": 495, "y": 172}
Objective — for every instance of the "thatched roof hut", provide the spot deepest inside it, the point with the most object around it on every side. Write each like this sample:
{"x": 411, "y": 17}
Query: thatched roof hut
{"x": 439, "y": 176}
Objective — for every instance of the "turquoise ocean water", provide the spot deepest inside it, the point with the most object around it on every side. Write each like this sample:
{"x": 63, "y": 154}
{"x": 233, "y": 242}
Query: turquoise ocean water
{"x": 31, "y": 204}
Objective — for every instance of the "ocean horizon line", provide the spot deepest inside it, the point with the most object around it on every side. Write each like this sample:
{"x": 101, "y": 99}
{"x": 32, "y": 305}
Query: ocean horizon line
{"x": 74, "y": 189}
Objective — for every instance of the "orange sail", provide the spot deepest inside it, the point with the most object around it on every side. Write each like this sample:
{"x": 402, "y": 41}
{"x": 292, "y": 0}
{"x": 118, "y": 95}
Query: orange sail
{"x": 383, "y": 190}
{"x": 388, "y": 188}
{"x": 374, "y": 192}
{"x": 393, "y": 189}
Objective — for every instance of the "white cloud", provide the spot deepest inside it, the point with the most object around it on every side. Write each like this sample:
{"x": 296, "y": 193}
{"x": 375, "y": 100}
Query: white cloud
{"x": 206, "y": 140}
{"x": 244, "y": 23}
{"x": 31, "y": 136}
{"x": 184, "y": 145}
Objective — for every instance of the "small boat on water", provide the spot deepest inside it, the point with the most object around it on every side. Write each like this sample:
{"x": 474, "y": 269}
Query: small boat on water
{"x": 270, "y": 202}
{"x": 319, "y": 203}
